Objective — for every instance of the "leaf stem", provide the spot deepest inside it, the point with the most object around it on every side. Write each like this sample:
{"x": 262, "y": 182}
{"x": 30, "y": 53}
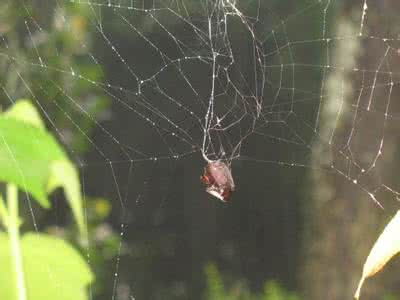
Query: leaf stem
{"x": 15, "y": 246}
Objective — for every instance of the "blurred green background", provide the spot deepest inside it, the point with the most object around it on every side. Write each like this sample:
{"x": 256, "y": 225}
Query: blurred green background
{"x": 295, "y": 229}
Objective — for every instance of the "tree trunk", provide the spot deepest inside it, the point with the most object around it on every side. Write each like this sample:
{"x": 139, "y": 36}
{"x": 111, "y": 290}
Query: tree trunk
{"x": 342, "y": 218}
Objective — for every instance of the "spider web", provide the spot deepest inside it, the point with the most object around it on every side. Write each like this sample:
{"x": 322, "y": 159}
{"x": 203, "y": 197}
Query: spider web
{"x": 244, "y": 82}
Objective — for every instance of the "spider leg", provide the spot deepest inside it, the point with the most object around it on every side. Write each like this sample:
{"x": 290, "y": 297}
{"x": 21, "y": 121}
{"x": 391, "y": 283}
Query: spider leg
{"x": 205, "y": 180}
{"x": 226, "y": 194}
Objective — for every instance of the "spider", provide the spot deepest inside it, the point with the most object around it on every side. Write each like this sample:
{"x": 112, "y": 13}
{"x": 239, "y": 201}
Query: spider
{"x": 218, "y": 180}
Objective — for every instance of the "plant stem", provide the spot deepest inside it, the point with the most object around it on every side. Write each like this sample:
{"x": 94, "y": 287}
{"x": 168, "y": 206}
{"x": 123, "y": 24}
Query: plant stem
{"x": 15, "y": 246}
{"x": 3, "y": 212}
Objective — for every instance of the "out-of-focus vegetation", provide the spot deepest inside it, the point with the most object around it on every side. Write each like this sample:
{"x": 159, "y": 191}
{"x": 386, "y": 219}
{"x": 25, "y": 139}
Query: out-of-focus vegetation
{"x": 104, "y": 243}
{"x": 45, "y": 54}
{"x": 239, "y": 290}
{"x": 38, "y": 266}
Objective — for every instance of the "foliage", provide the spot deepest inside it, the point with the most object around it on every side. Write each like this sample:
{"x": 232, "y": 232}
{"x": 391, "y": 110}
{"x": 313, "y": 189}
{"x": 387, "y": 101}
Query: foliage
{"x": 45, "y": 53}
{"x": 52, "y": 269}
{"x": 40, "y": 266}
{"x": 32, "y": 159}
{"x": 104, "y": 243}
{"x": 240, "y": 291}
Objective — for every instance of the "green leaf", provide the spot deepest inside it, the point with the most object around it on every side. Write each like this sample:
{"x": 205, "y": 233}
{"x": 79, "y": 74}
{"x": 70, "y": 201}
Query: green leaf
{"x": 52, "y": 269}
{"x": 274, "y": 291}
{"x": 32, "y": 159}
{"x": 26, "y": 152}
{"x": 23, "y": 110}
{"x": 215, "y": 286}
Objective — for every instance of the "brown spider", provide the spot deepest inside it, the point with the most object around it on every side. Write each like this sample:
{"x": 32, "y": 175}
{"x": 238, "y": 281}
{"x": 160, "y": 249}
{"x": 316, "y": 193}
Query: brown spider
{"x": 218, "y": 180}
